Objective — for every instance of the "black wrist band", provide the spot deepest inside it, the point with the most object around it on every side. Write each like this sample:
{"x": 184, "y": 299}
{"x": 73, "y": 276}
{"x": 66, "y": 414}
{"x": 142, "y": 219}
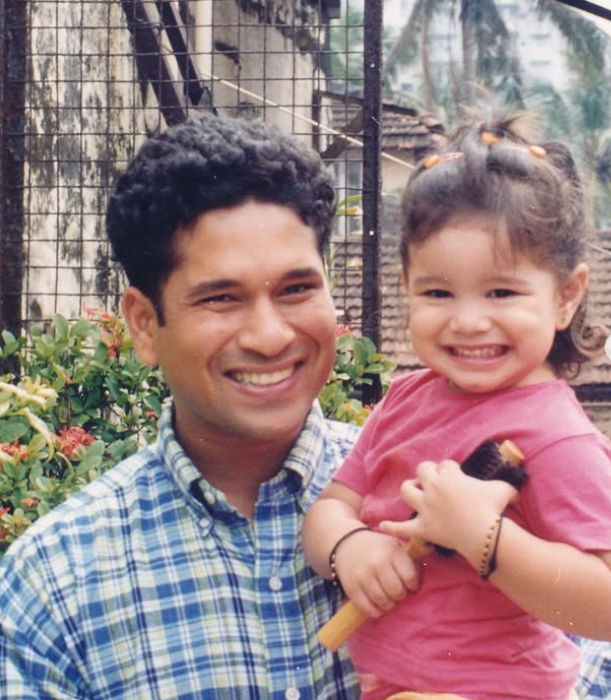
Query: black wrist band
{"x": 333, "y": 553}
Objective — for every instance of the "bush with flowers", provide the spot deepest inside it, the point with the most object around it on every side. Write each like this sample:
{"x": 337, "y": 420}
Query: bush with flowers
{"x": 75, "y": 400}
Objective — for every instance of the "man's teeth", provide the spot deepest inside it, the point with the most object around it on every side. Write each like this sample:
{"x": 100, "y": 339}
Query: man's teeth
{"x": 263, "y": 378}
{"x": 478, "y": 352}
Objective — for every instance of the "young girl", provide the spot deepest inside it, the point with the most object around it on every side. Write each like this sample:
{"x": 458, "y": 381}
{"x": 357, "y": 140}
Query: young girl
{"x": 492, "y": 248}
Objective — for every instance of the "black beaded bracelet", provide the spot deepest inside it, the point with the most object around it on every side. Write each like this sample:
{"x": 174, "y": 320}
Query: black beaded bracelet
{"x": 489, "y": 563}
{"x": 333, "y": 553}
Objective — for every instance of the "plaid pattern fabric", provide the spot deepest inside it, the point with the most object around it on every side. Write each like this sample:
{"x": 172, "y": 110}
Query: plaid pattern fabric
{"x": 595, "y": 674}
{"x": 147, "y": 585}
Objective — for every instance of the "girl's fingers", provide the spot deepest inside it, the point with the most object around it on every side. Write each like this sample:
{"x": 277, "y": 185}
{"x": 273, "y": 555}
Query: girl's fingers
{"x": 401, "y": 529}
{"x": 411, "y": 493}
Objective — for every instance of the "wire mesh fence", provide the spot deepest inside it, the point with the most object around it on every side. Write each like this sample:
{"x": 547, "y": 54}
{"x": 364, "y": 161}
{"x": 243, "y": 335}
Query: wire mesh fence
{"x": 83, "y": 82}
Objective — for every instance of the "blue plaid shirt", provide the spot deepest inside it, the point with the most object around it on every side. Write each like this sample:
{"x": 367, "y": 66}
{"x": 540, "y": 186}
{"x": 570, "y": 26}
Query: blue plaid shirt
{"x": 148, "y": 585}
{"x": 595, "y": 674}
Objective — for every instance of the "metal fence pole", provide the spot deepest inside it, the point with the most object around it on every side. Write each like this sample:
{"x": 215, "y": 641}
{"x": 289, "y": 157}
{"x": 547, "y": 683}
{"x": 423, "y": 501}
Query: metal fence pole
{"x": 13, "y": 34}
{"x": 372, "y": 176}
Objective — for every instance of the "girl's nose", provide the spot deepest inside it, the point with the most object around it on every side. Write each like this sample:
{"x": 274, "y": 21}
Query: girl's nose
{"x": 469, "y": 318}
{"x": 266, "y": 331}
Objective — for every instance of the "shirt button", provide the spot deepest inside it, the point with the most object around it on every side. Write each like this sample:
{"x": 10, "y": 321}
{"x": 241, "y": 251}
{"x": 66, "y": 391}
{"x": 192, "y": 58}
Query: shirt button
{"x": 210, "y": 498}
{"x": 275, "y": 584}
{"x": 292, "y": 694}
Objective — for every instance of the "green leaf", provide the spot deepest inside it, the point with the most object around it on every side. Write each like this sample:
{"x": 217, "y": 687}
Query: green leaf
{"x": 61, "y": 325}
{"x": 13, "y": 429}
{"x": 92, "y": 457}
{"x": 37, "y": 443}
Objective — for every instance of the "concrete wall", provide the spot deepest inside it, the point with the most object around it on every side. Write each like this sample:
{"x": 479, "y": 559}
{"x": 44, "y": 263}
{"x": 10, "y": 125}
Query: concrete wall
{"x": 87, "y": 111}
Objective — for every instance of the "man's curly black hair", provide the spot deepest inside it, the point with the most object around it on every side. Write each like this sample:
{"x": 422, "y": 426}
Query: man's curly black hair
{"x": 201, "y": 165}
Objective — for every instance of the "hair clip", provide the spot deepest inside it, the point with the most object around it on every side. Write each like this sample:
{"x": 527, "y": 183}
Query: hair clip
{"x": 435, "y": 159}
{"x": 537, "y": 151}
{"x": 489, "y": 138}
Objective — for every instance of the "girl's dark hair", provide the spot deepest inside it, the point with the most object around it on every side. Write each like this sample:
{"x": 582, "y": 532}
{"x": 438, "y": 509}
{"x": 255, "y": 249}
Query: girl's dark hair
{"x": 201, "y": 165}
{"x": 532, "y": 190}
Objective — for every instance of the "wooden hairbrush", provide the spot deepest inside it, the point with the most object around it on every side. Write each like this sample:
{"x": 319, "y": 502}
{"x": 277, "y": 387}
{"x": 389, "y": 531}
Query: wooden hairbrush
{"x": 487, "y": 462}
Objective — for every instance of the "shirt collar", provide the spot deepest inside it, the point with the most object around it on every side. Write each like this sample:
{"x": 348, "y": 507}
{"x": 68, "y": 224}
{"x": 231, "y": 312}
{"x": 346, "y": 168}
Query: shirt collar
{"x": 299, "y": 468}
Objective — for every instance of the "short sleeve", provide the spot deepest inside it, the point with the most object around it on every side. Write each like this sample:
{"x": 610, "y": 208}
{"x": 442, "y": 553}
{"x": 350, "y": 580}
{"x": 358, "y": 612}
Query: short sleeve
{"x": 568, "y": 497}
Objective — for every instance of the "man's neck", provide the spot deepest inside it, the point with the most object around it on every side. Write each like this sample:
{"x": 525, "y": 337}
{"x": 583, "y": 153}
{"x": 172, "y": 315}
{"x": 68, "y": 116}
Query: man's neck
{"x": 235, "y": 465}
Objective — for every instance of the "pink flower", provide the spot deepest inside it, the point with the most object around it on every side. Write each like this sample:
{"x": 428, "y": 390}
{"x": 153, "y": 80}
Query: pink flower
{"x": 19, "y": 452}
{"x": 71, "y": 438}
{"x": 342, "y": 329}
{"x": 29, "y": 502}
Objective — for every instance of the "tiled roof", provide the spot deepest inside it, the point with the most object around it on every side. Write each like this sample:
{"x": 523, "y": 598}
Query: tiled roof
{"x": 599, "y": 305}
{"x": 403, "y": 130}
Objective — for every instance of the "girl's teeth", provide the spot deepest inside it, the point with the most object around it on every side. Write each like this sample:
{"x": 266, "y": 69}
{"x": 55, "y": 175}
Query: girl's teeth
{"x": 263, "y": 378}
{"x": 478, "y": 352}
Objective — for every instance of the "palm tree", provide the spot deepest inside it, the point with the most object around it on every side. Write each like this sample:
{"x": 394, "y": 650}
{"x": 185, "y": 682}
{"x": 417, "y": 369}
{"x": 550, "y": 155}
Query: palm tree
{"x": 489, "y": 58}
{"x": 582, "y": 116}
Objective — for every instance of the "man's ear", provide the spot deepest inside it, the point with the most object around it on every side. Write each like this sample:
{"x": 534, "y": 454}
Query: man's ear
{"x": 141, "y": 318}
{"x": 572, "y": 291}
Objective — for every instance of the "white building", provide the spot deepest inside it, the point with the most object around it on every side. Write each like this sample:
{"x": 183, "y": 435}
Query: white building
{"x": 537, "y": 42}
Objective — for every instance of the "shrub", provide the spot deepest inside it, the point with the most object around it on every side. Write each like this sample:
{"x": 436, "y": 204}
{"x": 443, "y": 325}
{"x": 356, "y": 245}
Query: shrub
{"x": 75, "y": 400}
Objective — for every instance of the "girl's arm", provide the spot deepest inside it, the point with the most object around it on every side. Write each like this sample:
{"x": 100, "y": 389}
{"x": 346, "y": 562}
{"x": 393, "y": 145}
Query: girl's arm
{"x": 374, "y": 570}
{"x": 552, "y": 581}
{"x": 555, "y": 582}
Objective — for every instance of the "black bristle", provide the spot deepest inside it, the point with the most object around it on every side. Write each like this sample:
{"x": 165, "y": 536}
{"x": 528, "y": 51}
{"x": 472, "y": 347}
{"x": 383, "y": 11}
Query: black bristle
{"x": 487, "y": 463}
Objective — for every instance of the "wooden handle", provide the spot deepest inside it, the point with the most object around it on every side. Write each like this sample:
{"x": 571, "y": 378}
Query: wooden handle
{"x": 349, "y": 617}
{"x": 511, "y": 452}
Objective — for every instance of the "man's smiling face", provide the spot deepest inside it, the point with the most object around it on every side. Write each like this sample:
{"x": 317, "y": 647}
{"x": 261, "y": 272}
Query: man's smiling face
{"x": 248, "y": 338}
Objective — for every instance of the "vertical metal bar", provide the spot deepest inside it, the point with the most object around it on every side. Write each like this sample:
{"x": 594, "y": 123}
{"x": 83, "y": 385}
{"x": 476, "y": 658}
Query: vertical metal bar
{"x": 372, "y": 176}
{"x": 13, "y": 40}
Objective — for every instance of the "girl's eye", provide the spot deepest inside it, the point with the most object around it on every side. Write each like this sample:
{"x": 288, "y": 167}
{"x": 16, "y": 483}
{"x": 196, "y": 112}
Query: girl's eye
{"x": 502, "y": 293}
{"x": 437, "y": 294}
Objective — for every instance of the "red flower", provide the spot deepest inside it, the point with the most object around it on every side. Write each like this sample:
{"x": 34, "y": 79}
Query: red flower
{"x": 342, "y": 329}
{"x": 71, "y": 438}
{"x": 16, "y": 450}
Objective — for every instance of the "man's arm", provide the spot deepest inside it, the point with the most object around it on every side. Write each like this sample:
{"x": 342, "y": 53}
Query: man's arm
{"x": 35, "y": 663}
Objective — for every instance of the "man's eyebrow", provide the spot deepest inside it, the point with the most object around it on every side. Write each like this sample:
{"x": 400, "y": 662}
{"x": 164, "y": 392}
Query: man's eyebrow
{"x": 302, "y": 272}
{"x": 212, "y": 287}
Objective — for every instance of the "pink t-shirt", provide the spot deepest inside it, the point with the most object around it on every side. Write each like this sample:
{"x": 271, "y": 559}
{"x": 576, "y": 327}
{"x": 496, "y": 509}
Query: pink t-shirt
{"x": 460, "y": 634}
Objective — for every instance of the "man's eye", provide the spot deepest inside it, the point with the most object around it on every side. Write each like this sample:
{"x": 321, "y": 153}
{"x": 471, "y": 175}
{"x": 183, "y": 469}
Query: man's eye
{"x": 218, "y": 299}
{"x": 300, "y": 288}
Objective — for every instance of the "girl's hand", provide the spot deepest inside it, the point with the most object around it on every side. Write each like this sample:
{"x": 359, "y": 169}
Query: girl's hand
{"x": 454, "y": 510}
{"x": 375, "y": 571}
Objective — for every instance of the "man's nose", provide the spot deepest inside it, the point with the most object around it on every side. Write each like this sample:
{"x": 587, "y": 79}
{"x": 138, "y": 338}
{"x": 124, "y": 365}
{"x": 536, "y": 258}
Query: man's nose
{"x": 266, "y": 330}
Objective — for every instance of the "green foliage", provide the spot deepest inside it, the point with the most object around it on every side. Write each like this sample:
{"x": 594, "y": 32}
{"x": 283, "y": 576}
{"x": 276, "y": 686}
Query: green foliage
{"x": 356, "y": 364}
{"x": 75, "y": 400}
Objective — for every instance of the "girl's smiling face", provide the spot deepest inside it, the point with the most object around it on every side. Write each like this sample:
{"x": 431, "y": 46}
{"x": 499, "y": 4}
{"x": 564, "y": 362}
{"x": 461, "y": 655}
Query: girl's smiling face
{"x": 480, "y": 315}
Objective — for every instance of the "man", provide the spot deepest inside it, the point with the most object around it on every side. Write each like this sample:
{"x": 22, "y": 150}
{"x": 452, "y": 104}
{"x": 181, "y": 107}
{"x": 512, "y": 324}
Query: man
{"x": 179, "y": 573}
{"x": 594, "y": 681}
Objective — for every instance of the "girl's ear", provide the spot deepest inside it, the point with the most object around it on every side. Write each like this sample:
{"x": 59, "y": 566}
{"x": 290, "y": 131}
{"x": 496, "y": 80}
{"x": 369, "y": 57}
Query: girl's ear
{"x": 403, "y": 276}
{"x": 572, "y": 291}
{"x": 141, "y": 318}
